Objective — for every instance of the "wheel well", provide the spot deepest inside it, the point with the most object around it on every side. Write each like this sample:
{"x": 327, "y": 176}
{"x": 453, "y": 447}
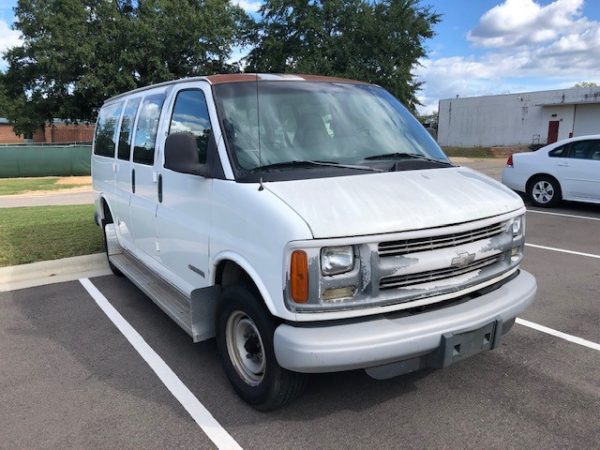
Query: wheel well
{"x": 540, "y": 175}
{"x": 229, "y": 273}
{"x": 107, "y": 215}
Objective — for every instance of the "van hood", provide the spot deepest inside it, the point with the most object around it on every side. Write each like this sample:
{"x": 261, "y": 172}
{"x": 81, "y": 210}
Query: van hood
{"x": 394, "y": 201}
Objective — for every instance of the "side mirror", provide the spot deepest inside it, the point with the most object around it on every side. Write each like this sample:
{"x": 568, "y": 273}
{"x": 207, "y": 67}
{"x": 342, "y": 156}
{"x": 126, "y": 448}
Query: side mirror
{"x": 181, "y": 155}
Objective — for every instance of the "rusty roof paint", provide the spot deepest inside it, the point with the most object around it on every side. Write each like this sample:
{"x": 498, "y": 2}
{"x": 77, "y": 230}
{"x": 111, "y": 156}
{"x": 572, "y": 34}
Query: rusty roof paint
{"x": 240, "y": 77}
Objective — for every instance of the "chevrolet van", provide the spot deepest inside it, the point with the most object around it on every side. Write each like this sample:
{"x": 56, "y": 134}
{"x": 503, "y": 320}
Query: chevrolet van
{"x": 309, "y": 224}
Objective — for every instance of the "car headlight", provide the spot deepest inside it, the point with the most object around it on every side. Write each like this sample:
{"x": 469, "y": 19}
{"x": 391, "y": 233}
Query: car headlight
{"x": 336, "y": 260}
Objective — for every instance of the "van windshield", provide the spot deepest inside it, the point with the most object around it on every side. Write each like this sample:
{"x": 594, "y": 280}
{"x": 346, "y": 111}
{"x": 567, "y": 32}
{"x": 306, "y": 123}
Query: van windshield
{"x": 317, "y": 125}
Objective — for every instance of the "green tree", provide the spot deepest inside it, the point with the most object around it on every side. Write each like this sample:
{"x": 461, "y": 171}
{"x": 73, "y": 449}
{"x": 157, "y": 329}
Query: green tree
{"x": 76, "y": 53}
{"x": 585, "y": 84}
{"x": 375, "y": 41}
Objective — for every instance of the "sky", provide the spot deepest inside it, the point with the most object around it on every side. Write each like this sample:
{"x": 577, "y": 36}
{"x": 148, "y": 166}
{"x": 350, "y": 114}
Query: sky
{"x": 482, "y": 47}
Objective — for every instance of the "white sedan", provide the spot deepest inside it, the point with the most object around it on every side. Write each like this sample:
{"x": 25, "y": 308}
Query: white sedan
{"x": 565, "y": 170}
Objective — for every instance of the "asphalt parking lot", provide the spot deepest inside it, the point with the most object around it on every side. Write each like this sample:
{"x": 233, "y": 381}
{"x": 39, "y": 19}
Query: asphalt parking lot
{"x": 70, "y": 378}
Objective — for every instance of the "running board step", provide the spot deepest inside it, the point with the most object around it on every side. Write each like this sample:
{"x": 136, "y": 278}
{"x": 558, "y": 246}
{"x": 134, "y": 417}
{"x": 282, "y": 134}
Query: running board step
{"x": 170, "y": 300}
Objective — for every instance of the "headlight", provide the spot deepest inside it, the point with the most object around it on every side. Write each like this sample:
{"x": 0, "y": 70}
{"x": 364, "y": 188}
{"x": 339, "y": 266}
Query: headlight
{"x": 518, "y": 235}
{"x": 336, "y": 260}
{"x": 518, "y": 226}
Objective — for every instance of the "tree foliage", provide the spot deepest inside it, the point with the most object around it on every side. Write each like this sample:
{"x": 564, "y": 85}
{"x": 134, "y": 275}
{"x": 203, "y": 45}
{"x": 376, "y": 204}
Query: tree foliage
{"x": 76, "y": 53}
{"x": 375, "y": 41}
{"x": 585, "y": 84}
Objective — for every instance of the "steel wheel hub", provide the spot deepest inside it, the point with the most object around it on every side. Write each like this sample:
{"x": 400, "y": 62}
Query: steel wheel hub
{"x": 245, "y": 348}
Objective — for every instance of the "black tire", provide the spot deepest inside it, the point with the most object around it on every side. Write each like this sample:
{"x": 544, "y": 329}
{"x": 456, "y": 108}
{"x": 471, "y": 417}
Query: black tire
{"x": 544, "y": 191}
{"x": 276, "y": 386}
{"x": 113, "y": 269}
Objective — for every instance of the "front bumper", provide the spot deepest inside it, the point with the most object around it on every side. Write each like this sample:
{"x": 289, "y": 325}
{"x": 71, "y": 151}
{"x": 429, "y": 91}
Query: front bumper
{"x": 394, "y": 338}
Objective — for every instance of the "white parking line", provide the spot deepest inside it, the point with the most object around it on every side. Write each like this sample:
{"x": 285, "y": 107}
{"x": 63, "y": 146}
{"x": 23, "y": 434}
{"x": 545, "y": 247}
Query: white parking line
{"x": 560, "y": 334}
{"x": 192, "y": 405}
{"x": 562, "y": 250}
{"x": 562, "y": 215}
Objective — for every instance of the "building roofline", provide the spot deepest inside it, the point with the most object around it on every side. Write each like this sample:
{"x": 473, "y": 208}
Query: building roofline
{"x": 522, "y": 93}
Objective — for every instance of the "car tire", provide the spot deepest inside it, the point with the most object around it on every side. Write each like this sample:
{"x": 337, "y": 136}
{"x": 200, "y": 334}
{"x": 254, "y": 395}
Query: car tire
{"x": 544, "y": 191}
{"x": 245, "y": 331}
{"x": 112, "y": 267}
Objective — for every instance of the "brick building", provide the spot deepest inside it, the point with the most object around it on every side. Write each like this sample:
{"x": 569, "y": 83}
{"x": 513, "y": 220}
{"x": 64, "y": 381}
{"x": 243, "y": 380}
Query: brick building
{"x": 57, "y": 132}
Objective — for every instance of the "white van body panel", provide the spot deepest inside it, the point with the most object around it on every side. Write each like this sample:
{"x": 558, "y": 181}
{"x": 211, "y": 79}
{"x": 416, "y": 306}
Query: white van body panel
{"x": 255, "y": 226}
{"x": 123, "y": 183}
{"x": 395, "y": 201}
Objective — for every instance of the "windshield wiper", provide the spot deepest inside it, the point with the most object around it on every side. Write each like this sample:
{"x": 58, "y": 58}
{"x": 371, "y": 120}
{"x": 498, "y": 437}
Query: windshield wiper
{"x": 309, "y": 163}
{"x": 402, "y": 155}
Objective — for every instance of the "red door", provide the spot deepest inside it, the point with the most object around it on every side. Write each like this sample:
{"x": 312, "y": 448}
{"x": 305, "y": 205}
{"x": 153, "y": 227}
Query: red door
{"x": 552, "y": 131}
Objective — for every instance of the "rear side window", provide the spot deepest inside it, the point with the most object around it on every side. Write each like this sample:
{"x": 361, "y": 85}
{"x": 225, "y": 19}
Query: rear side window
{"x": 585, "y": 150}
{"x": 147, "y": 127}
{"x": 559, "y": 152}
{"x": 106, "y": 130}
{"x": 190, "y": 114}
{"x": 127, "y": 128}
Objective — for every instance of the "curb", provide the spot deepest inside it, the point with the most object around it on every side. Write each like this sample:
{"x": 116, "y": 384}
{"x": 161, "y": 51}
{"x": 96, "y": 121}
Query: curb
{"x": 55, "y": 271}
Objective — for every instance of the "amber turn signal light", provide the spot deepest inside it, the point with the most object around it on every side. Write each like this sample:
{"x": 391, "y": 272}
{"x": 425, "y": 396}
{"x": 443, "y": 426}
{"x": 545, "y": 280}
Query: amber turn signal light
{"x": 299, "y": 277}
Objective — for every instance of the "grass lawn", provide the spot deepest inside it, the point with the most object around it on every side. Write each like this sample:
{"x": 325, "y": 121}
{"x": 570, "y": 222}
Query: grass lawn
{"x": 11, "y": 186}
{"x": 41, "y": 233}
{"x": 476, "y": 152}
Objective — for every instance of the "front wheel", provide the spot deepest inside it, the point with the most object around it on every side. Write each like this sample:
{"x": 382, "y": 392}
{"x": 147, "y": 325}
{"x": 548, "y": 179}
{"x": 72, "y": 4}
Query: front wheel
{"x": 544, "y": 191}
{"x": 245, "y": 332}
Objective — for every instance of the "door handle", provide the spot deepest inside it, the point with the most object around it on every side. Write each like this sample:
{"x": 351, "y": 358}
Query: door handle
{"x": 563, "y": 164}
{"x": 160, "y": 188}
{"x": 133, "y": 181}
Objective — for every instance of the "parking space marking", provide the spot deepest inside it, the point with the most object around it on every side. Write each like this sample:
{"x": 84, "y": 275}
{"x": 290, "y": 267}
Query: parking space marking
{"x": 563, "y": 215}
{"x": 562, "y": 250}
{"x": 216, "y": 433}
{"x": 560, "y": 334}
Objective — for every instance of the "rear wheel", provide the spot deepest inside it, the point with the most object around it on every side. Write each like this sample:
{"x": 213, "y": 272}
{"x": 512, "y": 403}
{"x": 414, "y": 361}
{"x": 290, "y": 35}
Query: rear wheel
{"x": 245, "y": 332}
{"x": 113, "y": 269}
{"x": 544, "y": 191}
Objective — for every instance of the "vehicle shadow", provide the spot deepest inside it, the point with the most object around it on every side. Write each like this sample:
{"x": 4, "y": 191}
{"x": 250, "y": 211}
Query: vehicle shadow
{"x": 565, "y": 207}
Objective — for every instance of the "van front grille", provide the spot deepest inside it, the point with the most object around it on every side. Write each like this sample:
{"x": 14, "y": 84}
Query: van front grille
{"x": 396, "y": 282}
{"x": 403, "y": 247}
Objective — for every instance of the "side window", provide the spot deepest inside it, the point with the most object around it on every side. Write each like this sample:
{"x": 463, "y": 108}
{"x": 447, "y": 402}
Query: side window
{"x": 124, "y": 149}
{"x": 585, "y": 150}
{"x": 147, "y": 127}
{"x": 190, "y": 114}
{"x": 559, "y": 152}
{"x": 106, "y": 129}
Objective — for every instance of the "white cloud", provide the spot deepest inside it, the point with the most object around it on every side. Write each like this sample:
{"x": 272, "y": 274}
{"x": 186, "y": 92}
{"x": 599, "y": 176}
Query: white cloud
{"x": 526, "y": 47}
{"x": 522, "y": 22}
{"x": 248, "y": 5}
{"x": 8, "y": 38}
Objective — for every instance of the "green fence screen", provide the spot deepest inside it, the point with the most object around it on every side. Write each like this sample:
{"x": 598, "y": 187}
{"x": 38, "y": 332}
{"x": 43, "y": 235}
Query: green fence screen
{"x": 44, "y": 160}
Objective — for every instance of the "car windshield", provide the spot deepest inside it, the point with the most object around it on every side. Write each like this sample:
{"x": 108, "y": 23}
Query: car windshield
{"x": 270, "y": 123}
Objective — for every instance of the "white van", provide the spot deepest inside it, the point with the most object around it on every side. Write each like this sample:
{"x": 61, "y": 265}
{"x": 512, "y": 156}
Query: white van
{"x": 310, "y": 224}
